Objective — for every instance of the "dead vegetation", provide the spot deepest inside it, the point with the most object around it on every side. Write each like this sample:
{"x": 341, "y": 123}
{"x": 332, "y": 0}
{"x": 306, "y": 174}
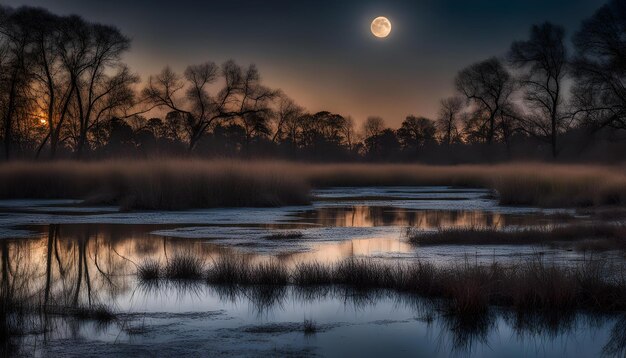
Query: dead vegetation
{"x": 183, "y": 184}
{"x": 596, "y": 237}
{"x": 467, "y": 289}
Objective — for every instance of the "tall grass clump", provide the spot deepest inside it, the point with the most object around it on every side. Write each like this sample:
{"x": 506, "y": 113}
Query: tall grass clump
{"x": 470, "y": 288}
{"x": 423, "y": 278}
{"x": 229, "y": 269}
{"x": 269, "y": 273}
{"x": 149, "y": 270}
{"x": 545, "y": 286}
{"x": 238, "y": 270}
{"x": 184, "y": 267}
{"x": 466, "y": 288}
{"x": 362, "y": 273}
{"x": 312, "y": 274}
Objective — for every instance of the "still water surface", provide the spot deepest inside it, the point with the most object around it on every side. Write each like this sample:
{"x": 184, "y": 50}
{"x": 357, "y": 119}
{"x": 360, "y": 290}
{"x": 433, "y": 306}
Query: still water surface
{"x": 71, "y": 255}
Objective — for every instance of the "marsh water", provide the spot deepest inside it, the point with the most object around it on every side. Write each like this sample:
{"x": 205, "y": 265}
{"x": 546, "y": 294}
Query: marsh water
{"x": 69, "y": 254}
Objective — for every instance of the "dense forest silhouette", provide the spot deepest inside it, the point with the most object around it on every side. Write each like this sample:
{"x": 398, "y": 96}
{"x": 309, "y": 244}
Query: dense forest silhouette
{"x": 65, "y": 92}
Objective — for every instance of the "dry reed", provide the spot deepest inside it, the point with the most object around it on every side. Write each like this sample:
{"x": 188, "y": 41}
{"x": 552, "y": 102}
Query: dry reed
{"x": 185, "y": 184}
{"x": 597, "y": 237}
{"x": 467, "y": 288}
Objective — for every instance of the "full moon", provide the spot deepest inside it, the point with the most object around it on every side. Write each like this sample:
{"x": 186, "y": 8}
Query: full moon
{"x": 381, "y": 27}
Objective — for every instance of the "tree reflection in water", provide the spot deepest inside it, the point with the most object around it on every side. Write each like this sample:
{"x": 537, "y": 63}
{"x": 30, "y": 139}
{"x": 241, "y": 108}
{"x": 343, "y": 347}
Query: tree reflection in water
{"x": 50, "y": 280}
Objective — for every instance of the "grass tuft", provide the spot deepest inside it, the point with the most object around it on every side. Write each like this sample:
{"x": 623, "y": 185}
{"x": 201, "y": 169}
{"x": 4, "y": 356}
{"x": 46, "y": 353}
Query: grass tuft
{"x": 467, "y": 289}
{"x": 269, "y": 273}
{"x": 235, "y": 270}
{"x": 184, "y": 267}
{"x": 229, "y": 270}
{"x": 149, "y": 270}
{"x": 312, "y": 273}
{"x": 309, "y": 327}
{"x": 362, "y": 273}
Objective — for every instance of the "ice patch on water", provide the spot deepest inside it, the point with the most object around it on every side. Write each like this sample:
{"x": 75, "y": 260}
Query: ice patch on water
{"x": 314, "y": 233}
{"x": 481, "y": 204}
{"x": 75, "y": 209}
{"x": 259, "y": 240}
{"x": 215, "y": 232}
{"x": 421, "y": 198}
{"x": 406, "y": 193}
{"x": 26, "y": 212}
{"x": 232, "y": 216}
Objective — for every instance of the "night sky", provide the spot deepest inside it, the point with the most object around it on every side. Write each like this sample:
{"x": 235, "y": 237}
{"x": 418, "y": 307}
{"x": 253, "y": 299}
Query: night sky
{"x": 321, "y": 52}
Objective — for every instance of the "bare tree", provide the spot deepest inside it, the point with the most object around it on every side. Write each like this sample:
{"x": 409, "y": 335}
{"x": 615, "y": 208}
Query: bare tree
{"x": 373, "y": 126}
{"x": 16, "y": 54}
{"x": 287, "y": 112}
{"x": 97, "y": 90}
{"x": 324, "y": 131}
{"x": 241, "y": 95}
{"x": 599, "y": 94}
{"x": 5, "y": 67}
{"x": 489, "y": 86}
{"x": 73, "y": 48}
{"x": 415, "y": 132}
{"x": 373, "y": 129}
{"x": 543, "y": 60}
{"x": 293, "y": 129}
{"x": 50, "y": 84}
{"x": 449, "y": 112}
{"x": 348, "y": 132}
{"x": 255, "y": 110}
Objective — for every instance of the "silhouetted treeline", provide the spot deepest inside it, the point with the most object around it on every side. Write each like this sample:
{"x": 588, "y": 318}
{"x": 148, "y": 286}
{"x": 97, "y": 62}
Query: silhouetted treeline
{"x": 65, "y": 92}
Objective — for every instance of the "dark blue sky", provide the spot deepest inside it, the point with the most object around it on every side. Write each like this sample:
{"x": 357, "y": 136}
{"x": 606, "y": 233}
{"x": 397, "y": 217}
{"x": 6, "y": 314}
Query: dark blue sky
{"x": 322, "y": 52}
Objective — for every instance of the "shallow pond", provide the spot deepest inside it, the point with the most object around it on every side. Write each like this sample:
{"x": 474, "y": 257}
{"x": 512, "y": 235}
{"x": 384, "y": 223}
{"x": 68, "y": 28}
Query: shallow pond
{"x": 68, "y": 254}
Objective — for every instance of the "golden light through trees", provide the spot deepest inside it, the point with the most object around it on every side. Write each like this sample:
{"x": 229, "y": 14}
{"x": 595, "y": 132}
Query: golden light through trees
{"x": 381, "y": 27}
{"x": 40, "y": 118}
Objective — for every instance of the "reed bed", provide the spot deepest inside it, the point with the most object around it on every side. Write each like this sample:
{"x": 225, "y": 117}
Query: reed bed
{"x": 537, "y": 184}
{"x": 596, "y": 237}
{"x": 311, "y": 274}
{"x": 184, "y": 267}
{"x": 227, "y": 270}
{"x": 236, "y": 269}
{"x": 149, "y": 270}
{"x": 182, "y": 184}
{"x": 164, "y": 185}
{"x": 466, "y": 288}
